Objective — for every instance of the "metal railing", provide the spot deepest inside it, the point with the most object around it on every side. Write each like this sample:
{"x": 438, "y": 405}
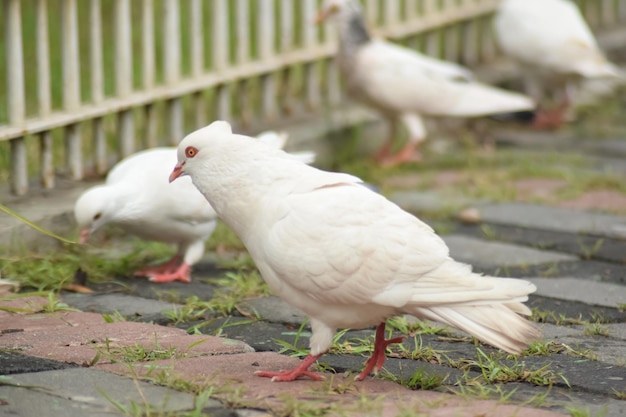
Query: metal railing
{"x": 91, "y": 81}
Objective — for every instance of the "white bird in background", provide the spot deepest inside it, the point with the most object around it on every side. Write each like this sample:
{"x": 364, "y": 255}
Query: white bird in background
{"x": 403, "y": 85}
{"x": 345, "y": 255}
{"x": 552, "y": 41}
{"x": 138, "y": 198}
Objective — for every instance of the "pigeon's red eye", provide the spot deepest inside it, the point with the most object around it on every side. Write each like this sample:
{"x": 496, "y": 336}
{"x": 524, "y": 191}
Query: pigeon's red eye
{"x": 190, "y": 152}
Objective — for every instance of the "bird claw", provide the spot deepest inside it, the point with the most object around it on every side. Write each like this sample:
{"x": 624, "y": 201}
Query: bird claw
{"x": 182, "y": 274}
{"x": 286, "y": 376}
{"x": 160, "y": 278}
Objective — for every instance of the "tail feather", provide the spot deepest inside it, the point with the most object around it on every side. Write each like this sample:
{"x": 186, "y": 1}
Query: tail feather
{"x": 481, "y": 100}
{"x": 499, "y": 325}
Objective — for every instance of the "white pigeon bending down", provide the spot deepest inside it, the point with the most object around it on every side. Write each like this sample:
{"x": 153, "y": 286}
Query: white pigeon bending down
{"x": 138, "y": 198}
{"x": 345, "y": 255}
{"x": 551, "y": 39}
{"x": 403, "y": 85}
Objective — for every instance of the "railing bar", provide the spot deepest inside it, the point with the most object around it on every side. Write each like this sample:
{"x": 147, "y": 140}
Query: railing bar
{"x": 71, "y": 87}
{"x": 266, "y": 51}
{"x": 171, "y": 41}
{"x": 220, "y": 34}
{"x": 46, "y": 149}
{"x": 46, "y": 161}
{"x": 196, "y": 40}
{"x": 151, "y": 125}
{"x": 174, "y": 108}
{"x": 97, "y": 85}
{"x": 15, "y": 62}
{"x": 43, "y": 59}
{"x": 392, "y": 12}
{"x": 147, "y": 56}
{"x": 99, "y": 140}
{"x": 309, "y": 34}
{"x": 223, "y": 102}
{"x": 124, "y": 75}
{"x": 243, "y": 31}
{"x": 19, "y": 167}
{"x": 95, "y": 49}
{"x": 73, "y": 151}
{"x": 71, "y": 73}
{"x": 334, "y": 82}
{"x": 371, "y": 13}
{"x": 286, "y": 25}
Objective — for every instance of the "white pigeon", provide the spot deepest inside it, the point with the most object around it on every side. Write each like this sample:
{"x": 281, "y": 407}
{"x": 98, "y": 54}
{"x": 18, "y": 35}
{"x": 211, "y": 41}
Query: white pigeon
{"x": 345, "y": 255}
{"x": 403, "y": 85}
{"x": 138, "y": 198}
{"x": 551, "y": 39}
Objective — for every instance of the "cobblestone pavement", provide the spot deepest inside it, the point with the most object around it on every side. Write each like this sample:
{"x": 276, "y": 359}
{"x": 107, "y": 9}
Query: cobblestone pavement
{"x": 76, "y": 363}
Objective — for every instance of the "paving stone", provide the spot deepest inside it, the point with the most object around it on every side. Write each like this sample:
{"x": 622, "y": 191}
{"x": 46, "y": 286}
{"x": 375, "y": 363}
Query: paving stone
{"x": 558, "y": 311}
{"x": 581, "y": 373}
{"x": 429, "y": 202}
{"x": 126, "y": 305}
{"x": 480, "y": 252}
{"x": 554, "y": 332}
{"x": 16, "y": 363}
{"x": 86, "y": 390}
{"x": 23, "y": 304}
{"x": 590, "y": 249}
{"x": 556, "y": 219}
{"x": 607, "y": 349}
{"x": 589, "y": 292}
{"x": 617, "y": 330}
{"x": 372, "y": 396}
{"x": 273, "y": 309}
{"x": 78, "y": 342}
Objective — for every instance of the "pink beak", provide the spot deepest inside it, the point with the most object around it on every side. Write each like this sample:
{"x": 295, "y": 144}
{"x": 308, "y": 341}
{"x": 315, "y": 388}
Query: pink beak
{"x": 84, "y": 236}
{"x": 177, "y": 172}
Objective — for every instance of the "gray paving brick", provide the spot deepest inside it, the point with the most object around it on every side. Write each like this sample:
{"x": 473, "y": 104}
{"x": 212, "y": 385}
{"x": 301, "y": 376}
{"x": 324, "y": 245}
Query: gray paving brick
{"x": 555, "y": 219}
{"x": 486, "y": 253}
{"x": 585, "y": 291}
{"x": 81, "y": 392}
{"x": 126, "y": 305}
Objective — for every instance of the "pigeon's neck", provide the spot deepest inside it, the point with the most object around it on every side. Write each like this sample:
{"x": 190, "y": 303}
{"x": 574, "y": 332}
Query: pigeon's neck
{"x": 353, "y": 32}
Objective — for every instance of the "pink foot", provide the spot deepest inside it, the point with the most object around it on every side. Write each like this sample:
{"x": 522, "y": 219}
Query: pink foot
{"x": 182, "y": 274}
{"x": 169, "y": 266}
{"x": 407, "y": 154}
{"x": 291, "y": 375}
{"x": 378, "y": 356}
{"x": 383, "y": 152}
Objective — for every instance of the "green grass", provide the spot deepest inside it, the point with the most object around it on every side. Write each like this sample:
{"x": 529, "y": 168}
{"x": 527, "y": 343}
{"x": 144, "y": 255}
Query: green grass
{"x": 54, "y": 270}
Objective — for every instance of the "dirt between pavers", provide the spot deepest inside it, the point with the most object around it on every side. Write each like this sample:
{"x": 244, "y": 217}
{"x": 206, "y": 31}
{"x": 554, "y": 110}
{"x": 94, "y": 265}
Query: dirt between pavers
{"x": 77, "y": 337}
{"x": 234, "y": 381}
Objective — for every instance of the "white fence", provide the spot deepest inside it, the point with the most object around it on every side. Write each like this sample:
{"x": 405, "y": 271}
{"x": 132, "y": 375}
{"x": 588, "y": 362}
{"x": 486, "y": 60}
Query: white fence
{"x": 91, "y": 81}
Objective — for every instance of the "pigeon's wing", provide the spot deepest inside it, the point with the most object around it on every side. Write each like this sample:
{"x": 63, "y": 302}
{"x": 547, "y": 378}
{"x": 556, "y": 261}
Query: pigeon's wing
{"x": 394, "y": 78}
{"x": 347, "y": 244}
{"x": 176, "y": 211}
{"x": 141, "y": 165}
{"x": 551, "y": 34}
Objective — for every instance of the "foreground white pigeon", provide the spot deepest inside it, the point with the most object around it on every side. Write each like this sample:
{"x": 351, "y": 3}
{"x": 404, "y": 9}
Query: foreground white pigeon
{"x": 345, "y": 255}
{"x": 138, "y": 198}
{"x": 403, "y": 85}
{"x": 551, "y": 39}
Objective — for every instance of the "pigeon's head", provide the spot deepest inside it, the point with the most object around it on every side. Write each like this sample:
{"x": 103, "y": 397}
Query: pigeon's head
{"x": 195, "y": 148}
{"x": 334, "y": 8}
{"x": 92, "y": 210}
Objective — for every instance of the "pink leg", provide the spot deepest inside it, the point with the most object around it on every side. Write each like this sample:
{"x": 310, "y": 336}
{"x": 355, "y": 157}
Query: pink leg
{"x": 182, "y": 273}
{"x": 383, "y": 152}
{"x": 168, "y": 266}
{"x": 407, "y": 154}
{"x": 378, "y": 356}
{"x": 298, "y": 371}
